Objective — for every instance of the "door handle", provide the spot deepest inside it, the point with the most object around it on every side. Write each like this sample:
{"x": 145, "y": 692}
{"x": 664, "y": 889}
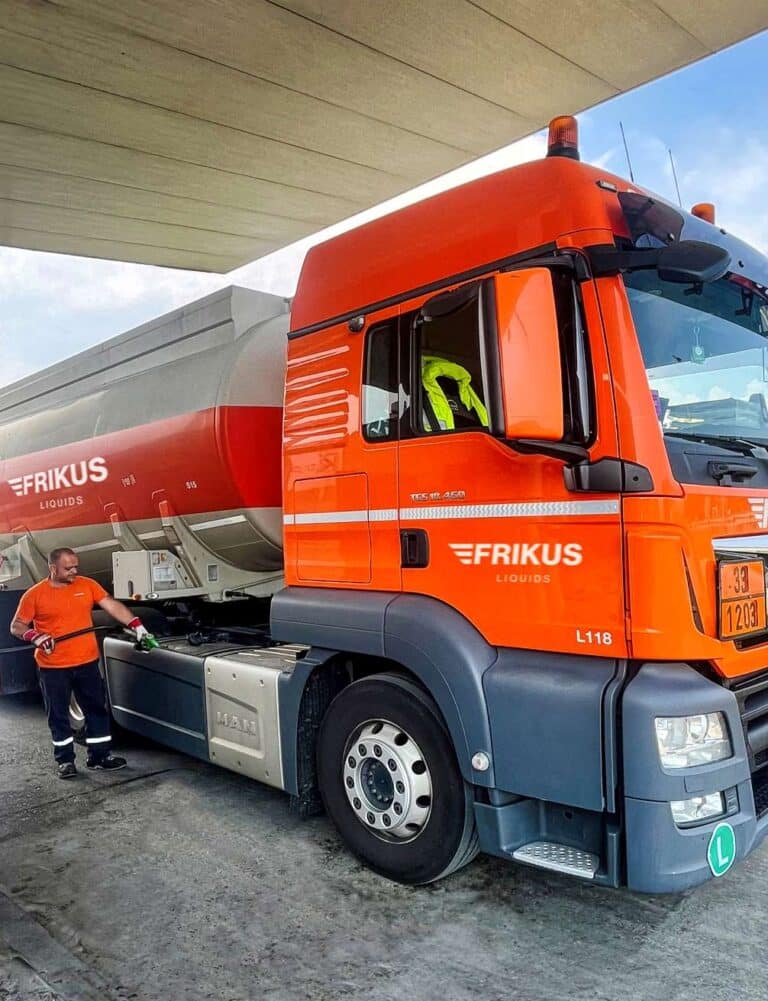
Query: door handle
{"x": 414, "y": 548}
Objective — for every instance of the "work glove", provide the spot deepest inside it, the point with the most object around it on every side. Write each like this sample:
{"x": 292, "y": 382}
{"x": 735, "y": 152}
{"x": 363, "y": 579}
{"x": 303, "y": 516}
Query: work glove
{"x": 40, "y": 641}
{"x": 144, "y": 637}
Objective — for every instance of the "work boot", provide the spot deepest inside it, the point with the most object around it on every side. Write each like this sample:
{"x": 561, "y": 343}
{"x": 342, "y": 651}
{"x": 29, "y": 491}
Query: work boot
{"x": 110, "y": 763}
{"x": 67, "y": 770}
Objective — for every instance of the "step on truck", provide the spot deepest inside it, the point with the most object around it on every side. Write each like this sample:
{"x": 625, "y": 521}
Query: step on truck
{"x": 468, "y": 548}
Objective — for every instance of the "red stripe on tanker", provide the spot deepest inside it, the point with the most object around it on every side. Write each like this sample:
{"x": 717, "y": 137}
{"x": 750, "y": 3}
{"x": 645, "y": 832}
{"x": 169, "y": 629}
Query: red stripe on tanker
{"x": 218, "y": 459}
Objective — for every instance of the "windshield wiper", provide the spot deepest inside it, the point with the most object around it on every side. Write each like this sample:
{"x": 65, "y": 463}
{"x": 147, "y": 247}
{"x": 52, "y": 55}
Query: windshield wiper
{"x": 741, "y": 445}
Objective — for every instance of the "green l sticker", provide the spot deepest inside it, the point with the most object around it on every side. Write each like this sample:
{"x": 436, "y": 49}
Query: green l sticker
{"x": 721, "y": 852}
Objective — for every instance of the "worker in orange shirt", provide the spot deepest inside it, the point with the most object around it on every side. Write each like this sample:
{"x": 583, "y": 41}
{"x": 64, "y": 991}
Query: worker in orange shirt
{"x": 60, "y": 604}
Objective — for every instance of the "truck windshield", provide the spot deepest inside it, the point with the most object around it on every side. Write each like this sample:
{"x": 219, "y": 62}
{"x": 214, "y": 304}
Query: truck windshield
{"x": 704, "y": 346}
{"x": 705, "y": 353}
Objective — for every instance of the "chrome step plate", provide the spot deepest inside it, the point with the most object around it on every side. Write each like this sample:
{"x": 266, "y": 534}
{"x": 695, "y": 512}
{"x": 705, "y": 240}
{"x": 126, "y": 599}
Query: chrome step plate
{"x": 560, "y": 858}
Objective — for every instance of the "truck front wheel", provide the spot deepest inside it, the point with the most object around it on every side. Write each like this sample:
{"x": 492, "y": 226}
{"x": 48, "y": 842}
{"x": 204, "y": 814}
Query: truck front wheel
{"x": 391, "y": 784}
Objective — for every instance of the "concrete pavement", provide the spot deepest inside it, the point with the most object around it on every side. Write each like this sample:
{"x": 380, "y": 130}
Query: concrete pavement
{"x": 173, "y": 879}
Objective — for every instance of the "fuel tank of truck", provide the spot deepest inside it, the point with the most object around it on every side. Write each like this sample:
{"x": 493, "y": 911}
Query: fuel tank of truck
{"x": 175, "y": 422}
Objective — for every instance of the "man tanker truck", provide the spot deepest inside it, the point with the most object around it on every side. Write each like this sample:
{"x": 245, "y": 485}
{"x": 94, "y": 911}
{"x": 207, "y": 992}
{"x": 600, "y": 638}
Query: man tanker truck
{"x": 469, "y": 548}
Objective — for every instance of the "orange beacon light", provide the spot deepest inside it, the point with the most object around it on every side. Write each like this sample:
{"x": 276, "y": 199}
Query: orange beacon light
{"x": 563, "y": 137}
{"x": 705, "y": 211}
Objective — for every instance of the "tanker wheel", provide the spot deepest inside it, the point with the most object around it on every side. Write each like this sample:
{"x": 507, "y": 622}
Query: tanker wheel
{"x": 390, "y": 782}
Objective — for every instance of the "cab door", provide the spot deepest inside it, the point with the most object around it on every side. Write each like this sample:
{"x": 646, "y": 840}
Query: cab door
{"x": 528, "y": 562}
{"x": 340, "y": 453}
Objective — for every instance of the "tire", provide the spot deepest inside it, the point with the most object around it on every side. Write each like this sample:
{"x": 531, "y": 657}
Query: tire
{"x": 391, "y": 784}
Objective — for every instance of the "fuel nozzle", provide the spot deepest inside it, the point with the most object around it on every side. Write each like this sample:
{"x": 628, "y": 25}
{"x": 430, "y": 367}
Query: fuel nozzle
{"x": 144, "y": 638}
{"x": 147, "y": 643}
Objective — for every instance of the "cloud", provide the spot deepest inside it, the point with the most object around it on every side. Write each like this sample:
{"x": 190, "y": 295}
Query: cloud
{"x": 14, "y": 365}
{"x": 608, "y": 159}
{"x": 731, "y": 171}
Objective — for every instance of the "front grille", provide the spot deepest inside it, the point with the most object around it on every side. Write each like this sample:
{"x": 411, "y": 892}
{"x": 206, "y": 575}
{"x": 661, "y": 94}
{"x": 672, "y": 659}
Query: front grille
{"x": 750, "y": 642}
{"x": 752, "y": 696}
{"x": 760, "y": 790}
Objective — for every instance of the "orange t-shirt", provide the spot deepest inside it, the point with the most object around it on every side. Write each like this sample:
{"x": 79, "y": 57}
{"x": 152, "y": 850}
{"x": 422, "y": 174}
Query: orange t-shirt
{"x": 61, "y": 610}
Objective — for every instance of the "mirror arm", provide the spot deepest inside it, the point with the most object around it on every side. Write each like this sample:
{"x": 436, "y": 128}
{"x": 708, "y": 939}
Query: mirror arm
{"x": 570, "y": 454}
{"x": 687, "y": 262}
{"x": 608, "y": 475}
{"x": 605, "y": 259}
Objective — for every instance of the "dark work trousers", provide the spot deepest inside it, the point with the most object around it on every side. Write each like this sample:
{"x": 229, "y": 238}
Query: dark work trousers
{"x": 58, "y": 684}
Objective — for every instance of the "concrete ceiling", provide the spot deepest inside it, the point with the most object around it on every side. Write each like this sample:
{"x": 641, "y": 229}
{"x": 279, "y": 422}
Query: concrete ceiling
{"x": 205, "y": 133}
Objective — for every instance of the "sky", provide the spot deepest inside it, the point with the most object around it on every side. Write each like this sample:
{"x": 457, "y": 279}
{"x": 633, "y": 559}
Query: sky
{"x": 52, "y": 306}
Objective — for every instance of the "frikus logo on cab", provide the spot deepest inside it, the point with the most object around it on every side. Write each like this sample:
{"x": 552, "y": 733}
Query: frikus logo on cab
{"x": 518, "y": 554}
{"x": 57, "y": 478}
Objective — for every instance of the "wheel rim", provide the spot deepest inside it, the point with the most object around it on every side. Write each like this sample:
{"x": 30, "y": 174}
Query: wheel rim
{"x": 387, "y": 781}
{"x": 76, "y": 713}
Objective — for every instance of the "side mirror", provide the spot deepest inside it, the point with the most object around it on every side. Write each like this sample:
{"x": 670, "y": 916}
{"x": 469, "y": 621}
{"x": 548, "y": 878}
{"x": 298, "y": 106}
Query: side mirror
{"x": 529, "y": 355}
{"x": 692, "y": 262}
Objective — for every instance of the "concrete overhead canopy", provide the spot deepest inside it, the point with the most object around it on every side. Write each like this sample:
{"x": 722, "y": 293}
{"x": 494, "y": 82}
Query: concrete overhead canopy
{"x": 205, "y": 133}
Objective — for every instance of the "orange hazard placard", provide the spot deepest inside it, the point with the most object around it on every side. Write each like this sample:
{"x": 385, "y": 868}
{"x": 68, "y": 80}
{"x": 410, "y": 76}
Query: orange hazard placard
{"x": 741, "y": 598}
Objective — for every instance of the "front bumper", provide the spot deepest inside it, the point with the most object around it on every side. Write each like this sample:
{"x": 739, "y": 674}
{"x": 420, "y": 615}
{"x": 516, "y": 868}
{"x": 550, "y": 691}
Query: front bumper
{"x": 660, "y": 856}
{"x": 664, "y": 858}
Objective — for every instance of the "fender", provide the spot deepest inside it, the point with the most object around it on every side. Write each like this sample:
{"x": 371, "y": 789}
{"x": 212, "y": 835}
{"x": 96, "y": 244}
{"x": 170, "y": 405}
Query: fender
{"x": 429, "y": 638}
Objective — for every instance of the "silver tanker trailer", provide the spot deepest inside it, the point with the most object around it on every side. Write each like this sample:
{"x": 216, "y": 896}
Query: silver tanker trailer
{"x": 155, "y": 456}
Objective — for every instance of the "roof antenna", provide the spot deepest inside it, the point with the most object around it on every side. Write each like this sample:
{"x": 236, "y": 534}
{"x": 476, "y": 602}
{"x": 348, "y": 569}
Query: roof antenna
{"x": 674, "y": 174}
{"x": 626, "y": 151}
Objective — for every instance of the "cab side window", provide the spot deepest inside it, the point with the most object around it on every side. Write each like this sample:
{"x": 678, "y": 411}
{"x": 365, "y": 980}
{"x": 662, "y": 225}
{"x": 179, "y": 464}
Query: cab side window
{"x": 449, "y": 372}
{"x": 380, "y": 383}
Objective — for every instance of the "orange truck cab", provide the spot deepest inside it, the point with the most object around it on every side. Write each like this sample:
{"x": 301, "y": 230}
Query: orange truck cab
{"x": 526, "y": 487}
{"x": 512, "y": 552}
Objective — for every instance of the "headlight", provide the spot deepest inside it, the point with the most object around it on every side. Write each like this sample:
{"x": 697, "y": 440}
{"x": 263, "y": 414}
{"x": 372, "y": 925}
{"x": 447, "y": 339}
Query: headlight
{"x": 688, "y": 811}
{"x": 686, "y": 741}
